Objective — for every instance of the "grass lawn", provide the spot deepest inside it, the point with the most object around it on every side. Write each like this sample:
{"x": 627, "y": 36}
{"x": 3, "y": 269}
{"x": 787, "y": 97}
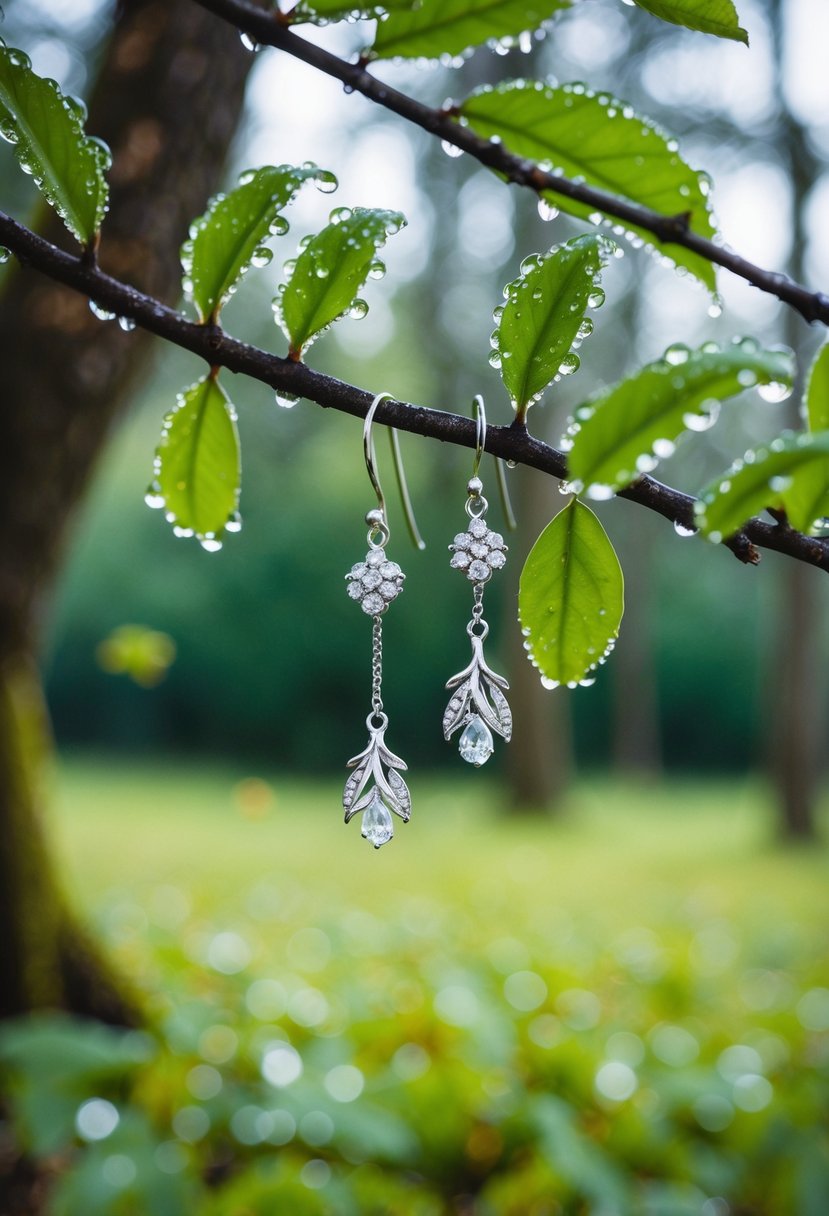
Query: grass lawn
{"x": 623, "y": 1011}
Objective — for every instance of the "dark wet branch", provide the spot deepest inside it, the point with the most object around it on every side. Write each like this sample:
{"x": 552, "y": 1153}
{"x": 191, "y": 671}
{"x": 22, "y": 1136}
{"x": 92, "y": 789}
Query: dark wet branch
{"x": 513, "y": 443}
{"x": 267, "y": 29}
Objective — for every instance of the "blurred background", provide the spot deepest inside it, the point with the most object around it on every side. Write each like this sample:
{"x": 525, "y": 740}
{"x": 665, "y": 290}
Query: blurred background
{"x": 589, "y": 978}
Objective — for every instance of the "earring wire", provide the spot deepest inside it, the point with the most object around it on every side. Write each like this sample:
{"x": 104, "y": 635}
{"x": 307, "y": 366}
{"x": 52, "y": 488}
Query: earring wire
{"x": 479, "y": 411}
{"x": 399, "y": 471}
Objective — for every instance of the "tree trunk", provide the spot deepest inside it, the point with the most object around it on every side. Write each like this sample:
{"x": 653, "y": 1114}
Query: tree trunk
{"x": 540, "y": 755}
{"x": 167, "y": 102}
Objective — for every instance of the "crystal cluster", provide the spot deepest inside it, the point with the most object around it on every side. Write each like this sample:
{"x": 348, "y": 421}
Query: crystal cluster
{"x": 478, "y": 551}
{"x": 375, "y": 582}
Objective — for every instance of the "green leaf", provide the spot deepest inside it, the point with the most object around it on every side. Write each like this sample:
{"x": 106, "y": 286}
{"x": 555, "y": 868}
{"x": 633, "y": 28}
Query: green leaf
{"x": 596, "y": 138}
{"x": 807, "y": 499}
{"x": 544, "y": 316}
{"x": 709, "y": 16}
{"x": 751, "y": 485}
{"x": 571, "y": 597}
{"x": 197, "y": 464}
{"x": 626, "y": 430}
{"x": 450, "y": 27}
{"x": 321, "y": 12}
{"x": 232, "y": 234}
{"x": 330, "y": 270}
{"x": 46, "y": 129}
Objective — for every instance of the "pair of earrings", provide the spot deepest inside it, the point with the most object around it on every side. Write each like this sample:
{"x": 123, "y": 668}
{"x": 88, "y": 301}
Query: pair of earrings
{"x": 478, "y": 703}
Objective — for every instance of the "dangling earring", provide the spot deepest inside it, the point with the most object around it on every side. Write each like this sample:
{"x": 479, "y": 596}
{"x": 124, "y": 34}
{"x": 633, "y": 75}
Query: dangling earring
{"x": 375, "y": 787}
{"x": 477, "y": 703}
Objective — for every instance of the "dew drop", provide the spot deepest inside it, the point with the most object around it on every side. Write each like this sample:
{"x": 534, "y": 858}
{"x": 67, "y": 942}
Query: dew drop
{"x": 286, "y": 400}
{"x": 775, "y": 391}
{"x": 358, "y": 309}
{"x": 704, "y": 418}
{"x": 250, "y": 44}
{"x": 261, "y": 257}
{"x": 127, "y": 324}
{"x": 677, "y": 353}
{"x": 681, "y": 529}
{"x": 103, "y": 314}
{"x": 569, "y": 364}
{"x": 596, "y": 298}
{"x": 599, "y": 492}
{"x": 547, "y": 211}
{"x": 326, "y": 181}
{"x": 450, "y": 149}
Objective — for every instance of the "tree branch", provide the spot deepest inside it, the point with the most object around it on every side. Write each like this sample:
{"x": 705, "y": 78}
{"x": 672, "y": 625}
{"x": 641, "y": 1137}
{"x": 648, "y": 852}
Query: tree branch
{"x": 513, "y": 443}
{"x": 266, "y": 28}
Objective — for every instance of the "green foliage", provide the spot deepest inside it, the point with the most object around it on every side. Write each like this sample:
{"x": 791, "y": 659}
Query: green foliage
{"x": 438, "y": 28}
{"x": 330, "y": 270}
{"x": 142, "y": 654}
{"x": 710, "y": 16}
{"x": 571, "y": 597}
{"x": 47, "y": 132}
{"x": 808, "y": 496}
{"x": 349, "y": 1049}
{"x": 628, "y": 428}
{"x": 596, "y": 138}
{"x": 54, "y": 1063}
{"x": 761, "y": 481}
{"x": 232, "y": 234}
{"x": 544, "y": 317}
{"x": 198, "y": 466}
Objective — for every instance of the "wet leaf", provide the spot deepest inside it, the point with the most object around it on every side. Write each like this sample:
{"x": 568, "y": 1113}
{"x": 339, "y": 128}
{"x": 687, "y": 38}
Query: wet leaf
{"x": 571, "y": 597}
{"x": 709, "y": 16}
{"x": 233, "y": 233}
{"x": 197, "y": 463}
{"x": 808, "y": 496}
{"x": 47, "y": 132}
{"x": 330, "y": 270}
{"x": 630, "y": 427}
{"x": 751, "y": 485}
{"x": 543, "y": 314}
{"x": 601, "y": 140}
{"x": 450, "y": 27}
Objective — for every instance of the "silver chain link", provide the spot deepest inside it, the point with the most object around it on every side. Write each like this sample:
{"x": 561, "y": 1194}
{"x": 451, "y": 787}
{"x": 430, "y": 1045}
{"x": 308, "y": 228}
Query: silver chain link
{"x": 478, "y": 605}
{"x": 377, "y": 665}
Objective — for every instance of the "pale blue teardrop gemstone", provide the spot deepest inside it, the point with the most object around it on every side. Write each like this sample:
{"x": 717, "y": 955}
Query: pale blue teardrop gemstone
{"x": 476, "y": 742}
{"x": 377, "y": 823}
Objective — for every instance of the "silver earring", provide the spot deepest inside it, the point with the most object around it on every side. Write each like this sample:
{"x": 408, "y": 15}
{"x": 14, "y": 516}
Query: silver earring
{"x": 375, "y": 787}
{"x": 478, "y": 703}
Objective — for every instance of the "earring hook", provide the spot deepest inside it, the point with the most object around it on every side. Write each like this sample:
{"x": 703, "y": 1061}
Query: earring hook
{"x": 479, "y": 411}
{"x": 400, "y": 474}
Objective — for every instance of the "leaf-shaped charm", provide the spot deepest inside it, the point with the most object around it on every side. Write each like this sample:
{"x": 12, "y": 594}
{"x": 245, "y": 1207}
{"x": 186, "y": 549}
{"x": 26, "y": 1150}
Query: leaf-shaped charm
{"x": 401, "y": 793}
{"x": 388, "y": 793}
{"x": 354, "y": 786}
{"x": 456, "y": 709}
{"x": 503, "y": 712}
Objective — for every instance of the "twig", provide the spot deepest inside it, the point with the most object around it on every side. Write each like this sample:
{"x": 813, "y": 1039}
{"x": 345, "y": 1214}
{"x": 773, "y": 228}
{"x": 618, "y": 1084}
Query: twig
{"x": 511, "y": 443}
{"x": 667, "y": 229}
